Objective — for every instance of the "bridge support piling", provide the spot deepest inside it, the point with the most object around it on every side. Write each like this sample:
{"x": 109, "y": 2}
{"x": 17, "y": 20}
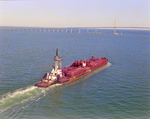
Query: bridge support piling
{"x": 58, "y": 30}
{"x": 79, "y": 31}
{"x": 66, "y": 30}
{"x": 71, "y": 31}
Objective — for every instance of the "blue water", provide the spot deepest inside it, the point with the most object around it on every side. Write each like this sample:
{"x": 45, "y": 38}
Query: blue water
{"x": 120, "y": 91}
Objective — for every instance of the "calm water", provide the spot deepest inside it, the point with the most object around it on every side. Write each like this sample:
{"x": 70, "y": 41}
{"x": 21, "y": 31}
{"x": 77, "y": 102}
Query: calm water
{"x": 121, "y": 90}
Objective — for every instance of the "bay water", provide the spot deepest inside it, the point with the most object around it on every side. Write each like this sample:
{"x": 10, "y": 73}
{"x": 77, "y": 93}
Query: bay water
{"x": 119, "y": 91}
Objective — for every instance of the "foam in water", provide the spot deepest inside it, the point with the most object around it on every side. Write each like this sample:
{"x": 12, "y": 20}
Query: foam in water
{"x": 18, "y": 92}
{"x": 13, "y": 103}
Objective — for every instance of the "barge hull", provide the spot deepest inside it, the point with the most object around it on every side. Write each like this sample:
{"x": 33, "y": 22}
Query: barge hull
{"x": 84, "y": 74}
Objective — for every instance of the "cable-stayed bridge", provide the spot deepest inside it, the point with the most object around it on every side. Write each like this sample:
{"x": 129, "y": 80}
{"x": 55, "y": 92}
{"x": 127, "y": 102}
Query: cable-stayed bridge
{"x": 68, "y": 29}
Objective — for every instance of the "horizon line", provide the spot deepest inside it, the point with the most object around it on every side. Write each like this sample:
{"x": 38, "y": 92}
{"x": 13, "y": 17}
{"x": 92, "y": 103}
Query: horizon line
{"x": 78, "y": 27}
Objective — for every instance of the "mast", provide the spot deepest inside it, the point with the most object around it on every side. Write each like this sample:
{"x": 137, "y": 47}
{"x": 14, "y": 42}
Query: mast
{"x": 58, "y": 61}
{"x": 56, "y": 52}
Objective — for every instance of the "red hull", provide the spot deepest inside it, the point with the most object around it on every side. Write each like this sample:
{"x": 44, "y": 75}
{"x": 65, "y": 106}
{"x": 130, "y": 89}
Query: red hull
{"x": 77, "y": 70}
{"x": 44, "y": 85}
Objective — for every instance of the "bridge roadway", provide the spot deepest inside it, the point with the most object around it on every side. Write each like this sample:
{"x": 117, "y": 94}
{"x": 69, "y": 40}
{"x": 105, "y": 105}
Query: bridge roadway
{"x": 66, "y": 29}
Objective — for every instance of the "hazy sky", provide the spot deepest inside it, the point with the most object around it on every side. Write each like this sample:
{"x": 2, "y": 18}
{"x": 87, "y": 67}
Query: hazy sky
{"x": 74, "y": 13}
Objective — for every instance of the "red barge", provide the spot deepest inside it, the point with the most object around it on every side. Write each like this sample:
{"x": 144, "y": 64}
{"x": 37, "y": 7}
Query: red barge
{"x": 71, "y": 73}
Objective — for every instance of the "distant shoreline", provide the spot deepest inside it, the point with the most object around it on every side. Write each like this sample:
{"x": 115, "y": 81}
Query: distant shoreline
{"x": 123, "y": 28}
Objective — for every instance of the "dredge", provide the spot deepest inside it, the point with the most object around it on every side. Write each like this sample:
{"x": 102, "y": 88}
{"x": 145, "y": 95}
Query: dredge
{"x": 70, "y": 73}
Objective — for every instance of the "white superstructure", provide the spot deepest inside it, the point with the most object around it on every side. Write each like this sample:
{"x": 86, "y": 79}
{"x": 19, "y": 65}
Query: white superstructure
{"x": 56, "y": 71}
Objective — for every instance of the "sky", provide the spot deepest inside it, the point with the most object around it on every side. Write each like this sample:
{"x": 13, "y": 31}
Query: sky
{"x": 75, "y": 13}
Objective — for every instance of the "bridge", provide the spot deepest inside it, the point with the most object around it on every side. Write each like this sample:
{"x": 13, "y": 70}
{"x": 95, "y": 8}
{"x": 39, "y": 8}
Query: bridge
{"x": 53, "y": 29}
{"x": 68, "y": 29}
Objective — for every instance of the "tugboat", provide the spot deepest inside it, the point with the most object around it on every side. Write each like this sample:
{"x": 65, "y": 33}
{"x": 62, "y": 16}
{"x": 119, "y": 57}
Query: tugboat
{"x": 71, "y": 73}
